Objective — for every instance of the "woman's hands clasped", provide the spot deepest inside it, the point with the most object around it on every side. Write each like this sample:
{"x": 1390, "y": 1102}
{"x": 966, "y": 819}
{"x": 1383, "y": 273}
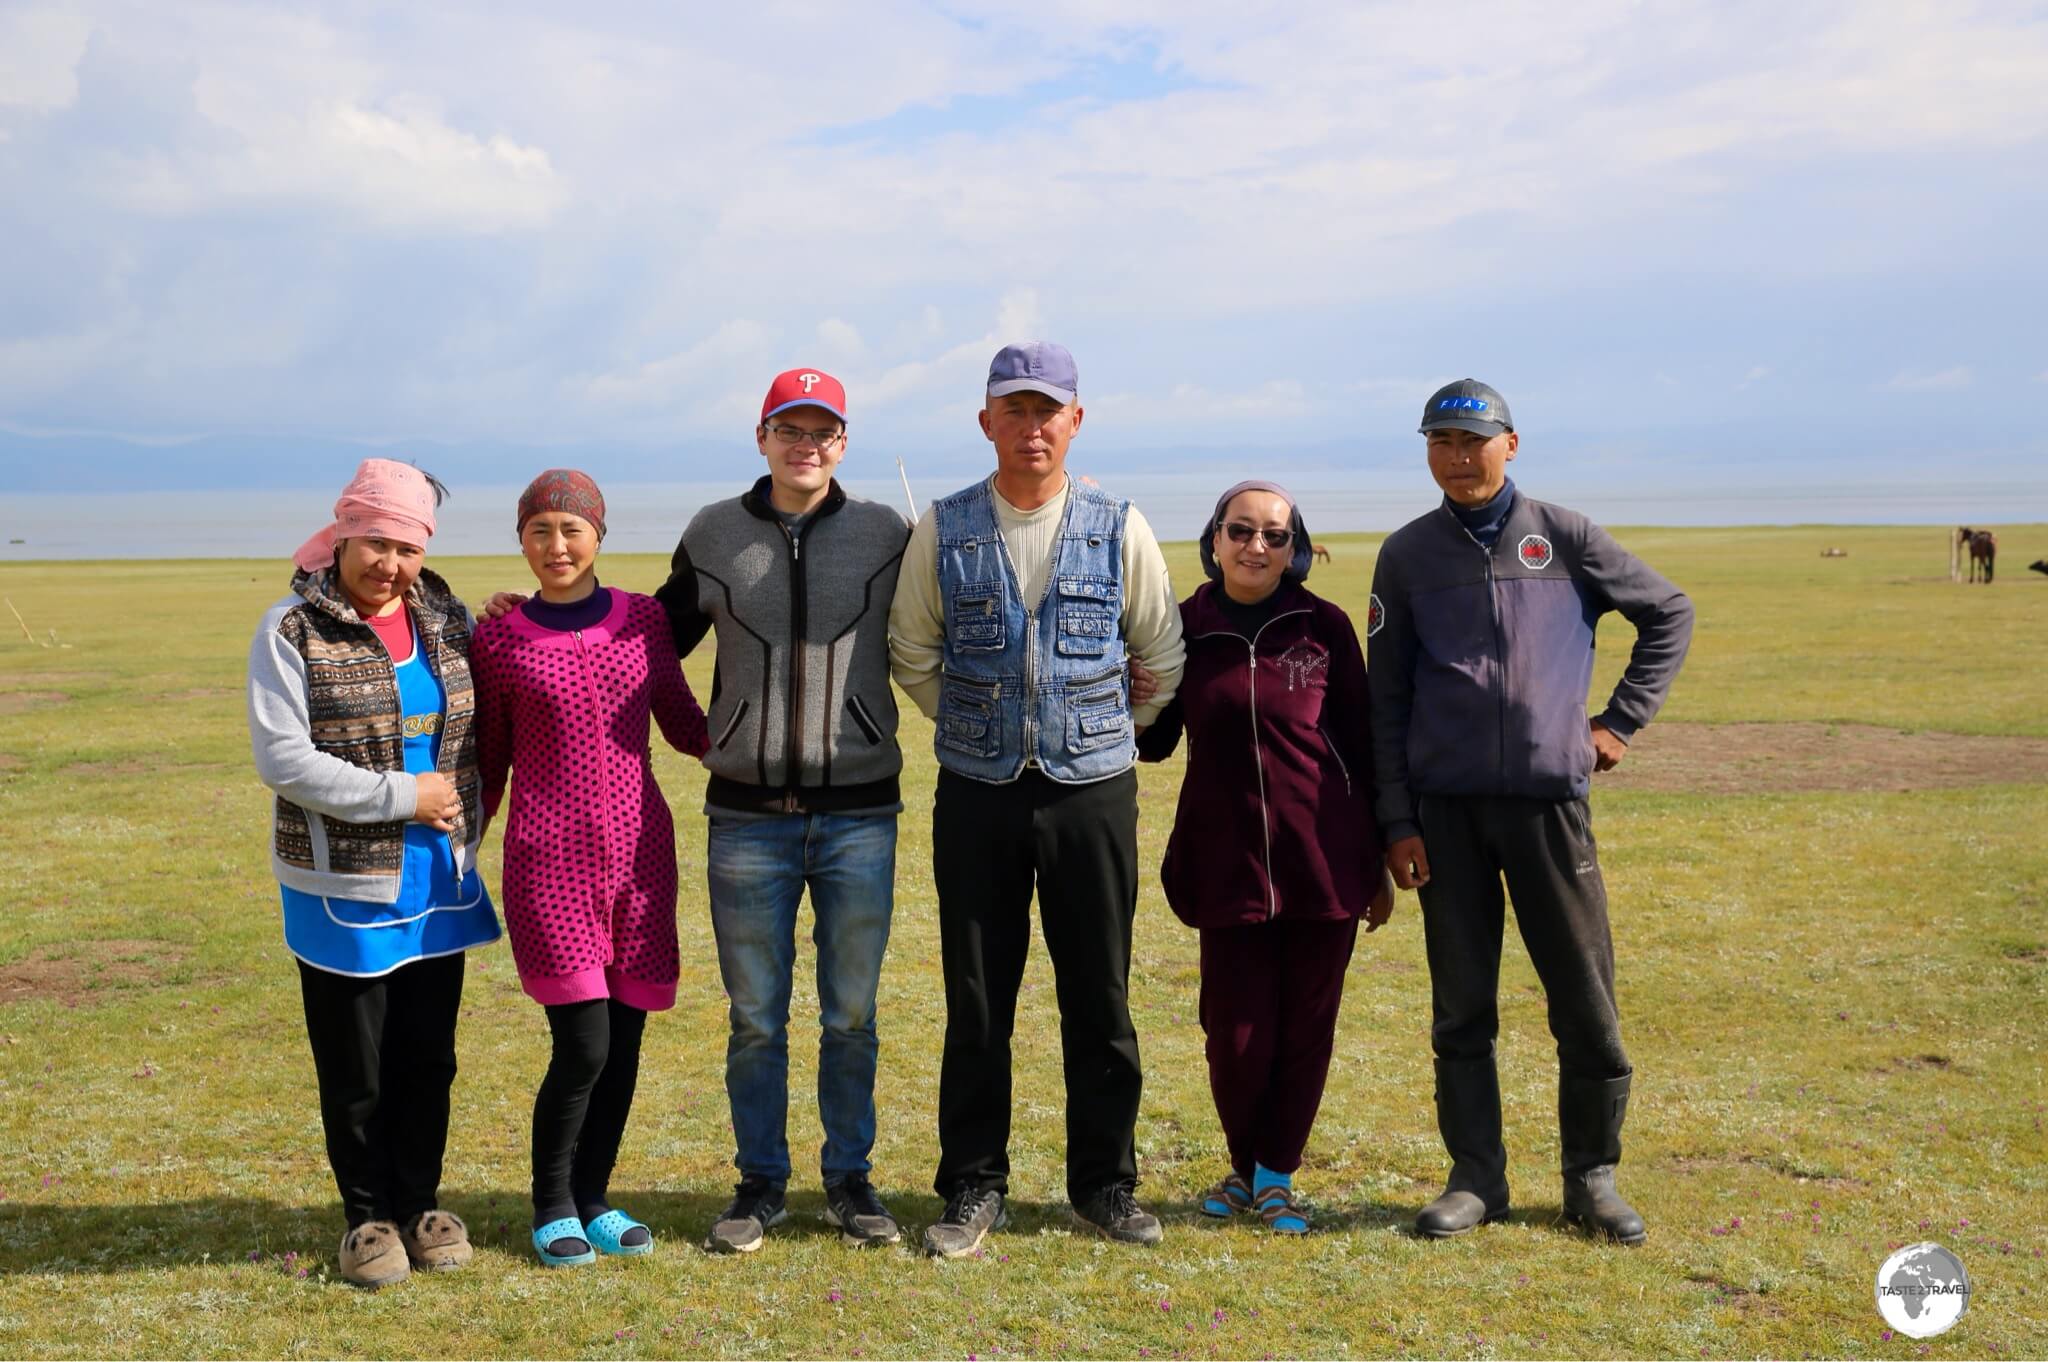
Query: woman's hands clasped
{"x": 439, "y": 806}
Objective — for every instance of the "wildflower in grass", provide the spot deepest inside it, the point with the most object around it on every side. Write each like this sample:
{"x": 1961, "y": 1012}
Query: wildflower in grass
{"x": 834, "y": 1296}
{"x": 1166, "y": 1307}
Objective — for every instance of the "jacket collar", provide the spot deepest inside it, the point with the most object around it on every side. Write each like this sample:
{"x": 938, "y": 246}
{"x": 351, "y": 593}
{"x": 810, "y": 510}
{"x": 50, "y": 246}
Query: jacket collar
{"x": 429, "y": 596}
{"x": 756, "y": 499}
{"x": 1512, "y": 527}
{"x": 1205, "y": 615}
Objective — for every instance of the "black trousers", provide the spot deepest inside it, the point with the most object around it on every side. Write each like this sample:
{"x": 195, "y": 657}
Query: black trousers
{"x": 1545, "y": 851}
{"x": 579, "y": 1115}
{"x": 384, "y": 1056}
{"x": 1077, "y": 845}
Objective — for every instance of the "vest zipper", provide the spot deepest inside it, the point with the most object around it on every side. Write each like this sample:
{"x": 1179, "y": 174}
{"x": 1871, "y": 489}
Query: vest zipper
{"x": 1052, "y": 577}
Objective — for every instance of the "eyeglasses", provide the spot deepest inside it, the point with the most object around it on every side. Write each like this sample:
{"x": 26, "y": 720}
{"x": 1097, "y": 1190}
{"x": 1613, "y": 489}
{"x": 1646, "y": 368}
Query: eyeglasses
{"x": 796, "y": 435}
{"x": 1241, "y": 533}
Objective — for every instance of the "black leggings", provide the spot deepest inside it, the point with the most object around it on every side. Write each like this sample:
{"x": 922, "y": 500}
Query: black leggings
{"x": 579, "y": 1117}
{"x": 384, "y": 1055}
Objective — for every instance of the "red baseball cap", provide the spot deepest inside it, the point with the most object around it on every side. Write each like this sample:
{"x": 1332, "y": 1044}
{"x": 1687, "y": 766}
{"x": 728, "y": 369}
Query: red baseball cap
{"x": 804, "y": 388}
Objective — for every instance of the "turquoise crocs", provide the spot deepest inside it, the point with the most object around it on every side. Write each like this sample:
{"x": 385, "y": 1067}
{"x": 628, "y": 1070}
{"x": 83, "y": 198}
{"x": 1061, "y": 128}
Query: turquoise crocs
{"x": 610, "y": 1229}
{"x": 568, "y": 1227}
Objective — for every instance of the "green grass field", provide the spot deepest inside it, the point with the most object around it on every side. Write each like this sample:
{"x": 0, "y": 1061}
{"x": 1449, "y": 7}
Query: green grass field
{"x": 1835, "y": 994}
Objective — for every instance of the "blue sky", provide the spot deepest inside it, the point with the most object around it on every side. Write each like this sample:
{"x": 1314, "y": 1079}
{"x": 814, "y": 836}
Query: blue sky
{"x": 1692, "y": 244}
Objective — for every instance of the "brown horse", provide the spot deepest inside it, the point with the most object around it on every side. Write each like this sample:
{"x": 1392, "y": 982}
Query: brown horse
{"x": 1983, "y": 547}
{"x": 1318, "y": 551}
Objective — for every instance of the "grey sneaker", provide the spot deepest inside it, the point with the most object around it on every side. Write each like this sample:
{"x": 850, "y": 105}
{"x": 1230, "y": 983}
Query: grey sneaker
{"x": 756, "y": 1208}
{"x": 970, "y": 1214}
{"x": 859, "y": 1214}
{"x": 1114, "y": 1211}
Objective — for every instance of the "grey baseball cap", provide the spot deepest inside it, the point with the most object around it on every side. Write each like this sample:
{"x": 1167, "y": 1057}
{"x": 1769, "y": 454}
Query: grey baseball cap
{"x": 1034, "y": 366}
{"x": 1467, "y": 404}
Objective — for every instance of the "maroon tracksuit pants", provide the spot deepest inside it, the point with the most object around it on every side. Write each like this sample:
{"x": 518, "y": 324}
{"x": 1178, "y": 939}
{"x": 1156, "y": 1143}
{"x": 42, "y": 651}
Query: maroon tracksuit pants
{"x": 1269, "y": 1009}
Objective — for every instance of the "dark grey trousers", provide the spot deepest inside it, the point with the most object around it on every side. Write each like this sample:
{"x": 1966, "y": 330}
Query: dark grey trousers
{"x": 1077, "y": 846}
{"x": 1544, "y": 850}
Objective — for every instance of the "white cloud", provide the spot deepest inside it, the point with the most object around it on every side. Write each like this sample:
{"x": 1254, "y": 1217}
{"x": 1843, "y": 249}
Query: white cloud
{"x": 674, "y": 380}
{"x": 619, "y": 220}
{"x": 39, "y": 51}
{"x": 1931, "y": 381}
{"x": 1394, "y": 392}
{"x": 1191, "y": 404}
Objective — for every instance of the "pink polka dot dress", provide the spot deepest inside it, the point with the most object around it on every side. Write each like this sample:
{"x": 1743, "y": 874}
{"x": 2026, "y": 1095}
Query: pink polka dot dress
{"x": 589, "y": 887}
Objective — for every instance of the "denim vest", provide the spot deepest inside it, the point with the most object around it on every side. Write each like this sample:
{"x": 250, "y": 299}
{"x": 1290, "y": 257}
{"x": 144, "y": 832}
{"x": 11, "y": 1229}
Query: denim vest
{"x": 1043, "y": 680}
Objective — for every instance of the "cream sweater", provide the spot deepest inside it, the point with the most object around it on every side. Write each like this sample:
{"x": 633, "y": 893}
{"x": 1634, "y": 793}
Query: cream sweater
{"x": 1151, "y": 616}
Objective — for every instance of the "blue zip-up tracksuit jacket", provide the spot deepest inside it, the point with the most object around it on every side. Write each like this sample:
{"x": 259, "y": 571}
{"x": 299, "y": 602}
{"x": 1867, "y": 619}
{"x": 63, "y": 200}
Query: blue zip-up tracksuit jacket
{"x": 1479, "y": 661}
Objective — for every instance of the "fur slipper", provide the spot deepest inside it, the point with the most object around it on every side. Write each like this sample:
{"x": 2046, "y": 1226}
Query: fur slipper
{"x": 372, "y": 1255}
{"x": 437, "y": 1241}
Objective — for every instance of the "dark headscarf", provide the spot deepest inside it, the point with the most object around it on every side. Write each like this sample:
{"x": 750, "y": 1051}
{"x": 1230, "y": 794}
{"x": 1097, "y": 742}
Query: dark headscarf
{"x": 1297, "y": 566}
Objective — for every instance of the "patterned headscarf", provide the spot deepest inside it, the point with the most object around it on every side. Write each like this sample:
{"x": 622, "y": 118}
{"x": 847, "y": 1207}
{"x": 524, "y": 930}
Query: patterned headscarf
{"x": 385, "y": 500}
{"x": 1297, "y": 563}
{"x": 563, "y": 489}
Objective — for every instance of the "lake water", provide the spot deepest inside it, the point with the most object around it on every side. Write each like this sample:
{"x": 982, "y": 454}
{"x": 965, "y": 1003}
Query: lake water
{"x": 647, "y": 518}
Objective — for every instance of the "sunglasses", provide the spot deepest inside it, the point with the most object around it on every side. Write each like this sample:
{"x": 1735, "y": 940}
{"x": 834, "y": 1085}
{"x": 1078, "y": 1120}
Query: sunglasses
{"x": 1241, "y": 533}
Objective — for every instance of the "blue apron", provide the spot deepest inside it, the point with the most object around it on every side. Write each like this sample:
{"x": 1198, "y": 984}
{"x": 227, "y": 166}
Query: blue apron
{"x": 437, "y": 912}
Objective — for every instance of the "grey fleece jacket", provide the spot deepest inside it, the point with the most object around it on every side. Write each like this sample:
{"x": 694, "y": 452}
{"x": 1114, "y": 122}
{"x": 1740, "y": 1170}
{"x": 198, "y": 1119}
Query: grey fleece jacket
{"x": 802, "y": 716}
{"x": 1479, "y": 660}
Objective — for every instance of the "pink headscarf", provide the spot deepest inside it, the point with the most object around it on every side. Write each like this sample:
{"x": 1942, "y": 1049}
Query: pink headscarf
{"x": 385, "y": 500}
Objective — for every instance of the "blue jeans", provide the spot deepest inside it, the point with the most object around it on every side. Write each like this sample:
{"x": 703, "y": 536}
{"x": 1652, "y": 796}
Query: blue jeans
{"x": 758, "y": 870}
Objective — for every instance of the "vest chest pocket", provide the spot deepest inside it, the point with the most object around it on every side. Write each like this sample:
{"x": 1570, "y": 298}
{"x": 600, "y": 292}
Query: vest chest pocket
{"x": 1087, "y": 613}
{"x": 1097, "y": 714}
{"x": 968, "y": 720}
{"x": 974, "y": 617}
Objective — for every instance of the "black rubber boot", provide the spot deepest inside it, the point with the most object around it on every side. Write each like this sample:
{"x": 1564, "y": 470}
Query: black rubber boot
{"x": 1589, "y": 1116}
{"x": 1468, "y": 1115}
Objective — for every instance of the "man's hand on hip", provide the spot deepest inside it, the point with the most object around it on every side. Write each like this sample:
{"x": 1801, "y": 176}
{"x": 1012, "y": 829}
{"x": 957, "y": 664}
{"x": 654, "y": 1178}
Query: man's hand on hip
{"x": 1608, "y": 750}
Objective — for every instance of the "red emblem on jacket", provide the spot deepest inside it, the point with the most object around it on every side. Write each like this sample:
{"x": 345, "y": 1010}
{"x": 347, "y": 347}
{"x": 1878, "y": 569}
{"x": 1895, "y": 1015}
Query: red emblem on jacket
{"x": 1375, "y": 616}
{"x": 1534, "y": 551}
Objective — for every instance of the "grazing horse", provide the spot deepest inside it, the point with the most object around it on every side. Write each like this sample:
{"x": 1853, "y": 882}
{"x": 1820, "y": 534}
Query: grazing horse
{"x": 2039, "y": 565}
{"x": 1983, "y": 547}
{"x": 1318, "y": 551}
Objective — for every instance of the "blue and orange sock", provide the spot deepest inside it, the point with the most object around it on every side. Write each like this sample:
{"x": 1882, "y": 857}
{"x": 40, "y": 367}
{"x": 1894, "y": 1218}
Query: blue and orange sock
{"x": 1264, "y": 1177}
